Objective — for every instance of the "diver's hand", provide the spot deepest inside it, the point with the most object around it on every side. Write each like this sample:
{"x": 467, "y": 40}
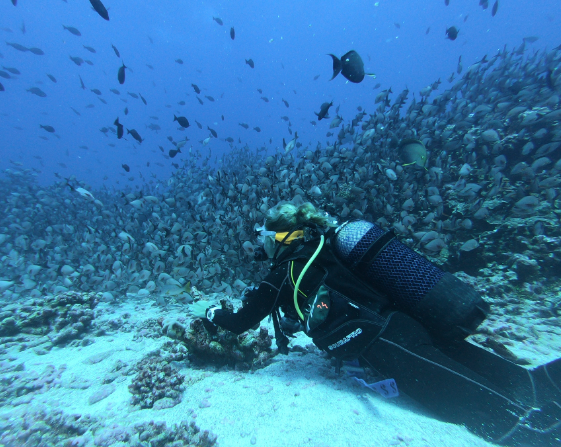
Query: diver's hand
{"x": 199, "y": 308}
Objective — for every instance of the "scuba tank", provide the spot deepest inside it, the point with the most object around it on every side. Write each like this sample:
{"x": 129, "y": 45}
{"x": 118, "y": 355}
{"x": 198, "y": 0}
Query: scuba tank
{"x": 446, "y": 306}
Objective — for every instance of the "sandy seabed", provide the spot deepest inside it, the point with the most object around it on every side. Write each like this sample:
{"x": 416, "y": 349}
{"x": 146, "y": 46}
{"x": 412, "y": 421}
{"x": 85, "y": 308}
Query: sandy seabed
{"x": 297, "y": 400}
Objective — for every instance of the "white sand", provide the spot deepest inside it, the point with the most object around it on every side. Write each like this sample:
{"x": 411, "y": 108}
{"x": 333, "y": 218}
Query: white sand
{"x": 298, "y": 400}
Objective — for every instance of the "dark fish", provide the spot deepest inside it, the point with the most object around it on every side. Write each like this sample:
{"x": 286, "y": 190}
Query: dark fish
{"x": 350, "y": 66}
{"x": 135, "y": 135}
{"x": 2, "y": 89}
{"x": 484, "y": 3}
{"x": 210, "y": 98}
{"x": 200, "y": 100}
{"x": 75, "y": 111}
{"x": 179, "y": 61}
{"x": 22, "y": 27}
{"x": 197, "y": 89}
{"x": 465, "y": 18}
{"x": 459, "y": 68}
{"x": 530, "y": 39}
{"x": 316, "y": 77}
{"x": 452, "y": 33}
{"x": 413, "y": 152}
{"x": 495, "y": 8}
{"x": 82, "y": 83}
{"x": 150, "y": 66}
{"x": 72, "y": 30}
{"x": 218, "y": 20}
{"x": 257, "y": 129}
{"x": 90, "y": 49}
{"x": 174, "y": 152}
{"x": 5, "y": 75}
{"x": 37, "y": 91}
{"x": 143, "y": 100}
{"x": 446, "y": 2}
{"x": 121, "y": 74}
{"x": 181, "y": 103}
{"x": 12, "y": 70}
{"x": 152, "y": 42}
{"x": 232, "y": 33}
{"x": 199, "y": 125}
{"x": 324, "y": 110}
{"x": 428, "y": 30}
{"x": 250, "y": 63}
{"x": 116, "y": 50}
{"x": 77, "y": 60}
{"x": 313, "y": 123}
{"x": 134, "y": 95}
{"x": 213, "y": 132}
{"x": 50, "y": 129}
{"x": 14, "y": 2}
{"x": 183, "y": 122}
{"x": 244, "y": 125}
{"x": 120, "y": 128}
{"x": 90, "y": 106}
{"x": 96, "y": 91}
{"x": 37, "y": 51}
{"x": 397, "y": 25}
{"x": 264, "y": 98}
{"x": 549, "y": 79}
{"x": 88, "y": 62}
{"x": 260, "y": 91}
{"x": 100, "y": 9}
{"x": 222, "y": 117}
{"x": 115, "y": 91}
{"x": 17, "y": 46}
{"x": 126, "y": 168}
{"x": 229, "y": 139}
{"x": 126, "y": 110}
{"x": 285, "y": 103}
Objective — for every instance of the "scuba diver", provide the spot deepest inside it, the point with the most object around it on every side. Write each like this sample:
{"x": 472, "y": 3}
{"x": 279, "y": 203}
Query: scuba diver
{"x": 361, "y": 294}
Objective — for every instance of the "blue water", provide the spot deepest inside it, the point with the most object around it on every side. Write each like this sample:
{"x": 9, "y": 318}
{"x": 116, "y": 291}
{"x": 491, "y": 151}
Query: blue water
{"x": 287, "y": 40}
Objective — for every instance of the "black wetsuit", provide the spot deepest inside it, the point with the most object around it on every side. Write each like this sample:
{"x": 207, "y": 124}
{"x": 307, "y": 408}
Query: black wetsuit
{"x": 459, "y": 382}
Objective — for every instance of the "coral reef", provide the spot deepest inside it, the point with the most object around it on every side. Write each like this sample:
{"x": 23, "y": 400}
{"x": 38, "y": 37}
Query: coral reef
{"x": 47, "y": 427}
{"x": 62, "y": 318}
{"x": 18, "y": 385}
{"x": 525, "y": 316}
{"x": 183, "y": 434}
{"x": 219, "y": 347}
{"x": 155, "y": 380}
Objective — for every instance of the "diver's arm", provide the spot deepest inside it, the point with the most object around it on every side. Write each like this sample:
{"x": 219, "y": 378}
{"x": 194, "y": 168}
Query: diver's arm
{"x": 259, "y": 304}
